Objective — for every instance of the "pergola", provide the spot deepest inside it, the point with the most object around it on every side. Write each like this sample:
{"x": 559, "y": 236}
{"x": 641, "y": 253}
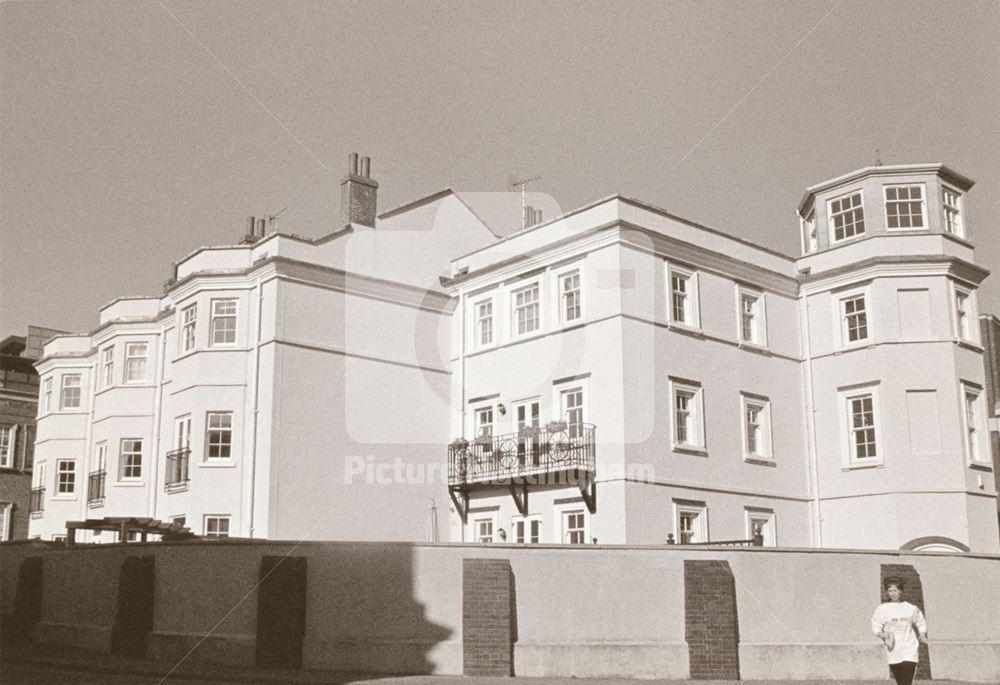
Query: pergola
{"x": 130, "y": 524}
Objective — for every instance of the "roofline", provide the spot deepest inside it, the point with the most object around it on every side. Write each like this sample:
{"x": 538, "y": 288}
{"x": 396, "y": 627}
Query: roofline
{"x": 642, "y": 205}
{"x": 885, "y": 170}
{"x": 413, "y": 204}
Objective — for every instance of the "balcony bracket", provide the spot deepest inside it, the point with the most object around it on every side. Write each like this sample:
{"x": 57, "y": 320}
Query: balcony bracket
{"x": 588, "y": 488}
{"x": 460, "y": 498}
{"x": 520, "y": 498}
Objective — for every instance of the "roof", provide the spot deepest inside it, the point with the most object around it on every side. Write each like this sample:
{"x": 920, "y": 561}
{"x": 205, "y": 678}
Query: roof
{"x": 886, "y": 170}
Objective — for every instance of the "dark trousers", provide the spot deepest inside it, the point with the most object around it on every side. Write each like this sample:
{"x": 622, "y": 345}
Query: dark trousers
{"x": 903, "y": 672}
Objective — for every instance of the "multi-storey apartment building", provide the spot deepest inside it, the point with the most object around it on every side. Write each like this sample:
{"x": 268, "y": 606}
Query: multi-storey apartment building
{"x": 617, "y": 373}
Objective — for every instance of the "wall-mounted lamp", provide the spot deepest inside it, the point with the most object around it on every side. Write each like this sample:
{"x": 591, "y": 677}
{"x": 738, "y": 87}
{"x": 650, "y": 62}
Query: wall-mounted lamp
{"x": 502, "y": 409}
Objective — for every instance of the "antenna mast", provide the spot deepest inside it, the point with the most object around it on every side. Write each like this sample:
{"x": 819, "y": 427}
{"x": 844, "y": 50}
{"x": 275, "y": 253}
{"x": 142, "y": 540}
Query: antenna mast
{"x": 523, "y": 184}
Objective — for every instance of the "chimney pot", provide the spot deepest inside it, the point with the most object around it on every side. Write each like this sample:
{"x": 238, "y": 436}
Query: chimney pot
{"x": 261, "y": 227}
{"x": 251, "y": 222}
{"x": 358, "y": 194}
{"x": 352, "y": 163}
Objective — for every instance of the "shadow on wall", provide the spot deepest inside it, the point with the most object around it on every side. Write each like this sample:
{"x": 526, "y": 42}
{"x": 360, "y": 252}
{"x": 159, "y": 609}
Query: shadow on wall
{"x": 363, "y": 616}
{"x": 329, "y": 606}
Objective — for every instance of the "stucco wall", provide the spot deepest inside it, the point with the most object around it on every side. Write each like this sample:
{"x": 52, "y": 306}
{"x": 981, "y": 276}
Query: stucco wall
{"x": 584, "y": 611}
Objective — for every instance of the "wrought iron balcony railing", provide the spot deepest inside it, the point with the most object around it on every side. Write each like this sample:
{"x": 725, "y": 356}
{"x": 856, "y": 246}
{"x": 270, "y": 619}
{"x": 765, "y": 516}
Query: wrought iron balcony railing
{"x": 530, "y": 454}
{"x": 36, "y": 502}
{"x": 177, "y": 469}
{"x": 95, "y": 487}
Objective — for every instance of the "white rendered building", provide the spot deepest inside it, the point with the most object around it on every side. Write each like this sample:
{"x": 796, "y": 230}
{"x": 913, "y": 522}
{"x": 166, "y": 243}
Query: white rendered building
{"x": 616, "y": 373}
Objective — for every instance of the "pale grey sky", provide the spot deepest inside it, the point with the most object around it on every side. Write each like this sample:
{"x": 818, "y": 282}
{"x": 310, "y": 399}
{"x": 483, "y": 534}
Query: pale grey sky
{"x": 134, "y": 132}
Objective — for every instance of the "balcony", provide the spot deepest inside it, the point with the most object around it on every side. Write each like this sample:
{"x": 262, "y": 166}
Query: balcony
{"x": 176, "y": 478}
{"x": 557, "y": 454}
{"x": 95, "y": 488}
{"x": 36, "y": 502}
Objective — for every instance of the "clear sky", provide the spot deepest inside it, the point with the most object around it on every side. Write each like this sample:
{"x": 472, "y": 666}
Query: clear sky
{"x": 133, "y": 133}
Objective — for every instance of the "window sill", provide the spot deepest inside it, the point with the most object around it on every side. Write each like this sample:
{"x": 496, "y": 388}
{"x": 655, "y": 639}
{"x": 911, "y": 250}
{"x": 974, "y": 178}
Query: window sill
{"x": 857, "y": 467}
{"x": 969, "y": 344}
{"x": 172, "y": 488}
{"x": 36, "y": 515}
{"x": 693, "y": 450}
{"x": 686, "y": 329}
{"x": 220, "y": 464}
{"x": 128, "y": 484}
{"x": 63, "y": 498}
{"x": 759, "y": 348}
{"x": 760, "y": 461}
{"x": 223, "y": 348}
{"x": 95, "y": 504}
{"x": 185, "y": 354}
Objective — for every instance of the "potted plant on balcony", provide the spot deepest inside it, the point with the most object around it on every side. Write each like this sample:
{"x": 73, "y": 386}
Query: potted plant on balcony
{"x": 529, "y": 432}
{"x": 459, "y": 443}
{"x": 556, "y": 426}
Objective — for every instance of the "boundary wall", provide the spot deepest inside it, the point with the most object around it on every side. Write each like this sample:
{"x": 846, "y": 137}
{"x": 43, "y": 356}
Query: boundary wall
{"x": 672, "y": 612}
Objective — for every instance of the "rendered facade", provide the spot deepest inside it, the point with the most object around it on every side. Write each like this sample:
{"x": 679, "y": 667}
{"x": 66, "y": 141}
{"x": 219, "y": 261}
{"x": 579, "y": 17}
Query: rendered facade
{"x": 615, "y": 374}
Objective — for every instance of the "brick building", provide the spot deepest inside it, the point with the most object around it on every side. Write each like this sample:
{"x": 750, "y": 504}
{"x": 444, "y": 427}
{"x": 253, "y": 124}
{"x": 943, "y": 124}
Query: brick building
{"x": 18, "y": 407}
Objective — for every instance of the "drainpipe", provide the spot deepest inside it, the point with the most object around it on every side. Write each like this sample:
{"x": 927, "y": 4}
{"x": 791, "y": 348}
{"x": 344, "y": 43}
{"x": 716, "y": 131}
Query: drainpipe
{"x": 813, "y": 460}
{"x": 89, "y": 437}
{"x": 461, "y": 381}
{"x": 256, "y": 408}
{"x": 157, "y": 420}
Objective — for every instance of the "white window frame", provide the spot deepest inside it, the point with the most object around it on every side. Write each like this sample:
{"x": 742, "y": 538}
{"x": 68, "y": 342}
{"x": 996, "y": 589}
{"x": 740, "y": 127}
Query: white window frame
{"x": 535, "y": 285}
{"x": 481, "y": 319}
{"x": 692, "y": 317}
{"x": 525, "y": 535}
{"x": 849, "y": 449}
{"x": 5, "y": 522}
{"x": 575, "y": 416}
{"x": 831, "y": 216}
{"x": 923, "y": 206}
{"x": 763, "y": 405}
{"x": 108, "y": 366}
{"x": 974, "y": 432}
{"x": 842, "y": 299}
{"x": 218, "y": 519}
{"x": 564, "y": 295}
{"x": 8, "y": 446}
{"x": 477, "y": 531}
{"x": 758, "y": 333}
{"x": 565, "y": 531}
{"x": 696, "y": 410}
{"x": 65, "y": 487}
{"x": 952, "y": 221}
{"x": 221, "y": 429}
{"x": 136, "y": 365}
{"x": 188, "y": 327}
{"x": 46, "y": 403}
{"x": 970, "y": 334}
{"x": 63, "y": 404}
{"x": 179, "y": 518}
{"x": 769, "y": 529}
{"x": 216, "y": 317}
{"x": 700, "y": 530}
{"x": 478, "y": 411}
{"x": 124, "y": 463}
{"x": 182, "y": 432}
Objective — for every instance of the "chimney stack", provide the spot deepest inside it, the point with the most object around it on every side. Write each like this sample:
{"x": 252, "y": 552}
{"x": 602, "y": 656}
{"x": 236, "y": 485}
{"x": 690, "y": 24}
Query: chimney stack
{"x": 358, "y": 193}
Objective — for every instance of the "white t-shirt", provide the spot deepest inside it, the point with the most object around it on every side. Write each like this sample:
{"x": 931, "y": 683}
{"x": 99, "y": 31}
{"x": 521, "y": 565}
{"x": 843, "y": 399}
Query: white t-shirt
{"x": 900, "y": 619}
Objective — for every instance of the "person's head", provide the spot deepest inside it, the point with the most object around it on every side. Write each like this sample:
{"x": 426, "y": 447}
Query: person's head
{"x": 894, "y": 588}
